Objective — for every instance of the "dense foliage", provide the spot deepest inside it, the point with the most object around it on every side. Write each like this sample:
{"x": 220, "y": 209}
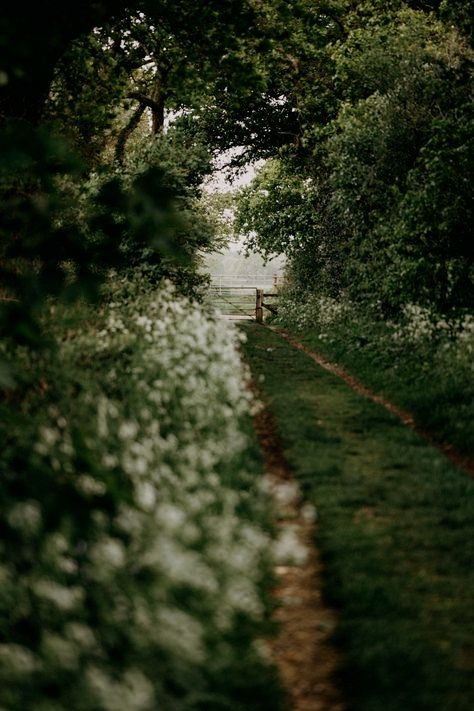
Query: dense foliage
{"x": 102, "y": 160}
{"x": 135, "y": 552}
{"x": 134, "y": 561}
{"x": 373, "y": 195}
{"x": 422, "y": 360}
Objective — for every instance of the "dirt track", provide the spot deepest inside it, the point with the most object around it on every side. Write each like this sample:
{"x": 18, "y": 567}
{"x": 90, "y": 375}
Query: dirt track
{"x": 307, "y": 660}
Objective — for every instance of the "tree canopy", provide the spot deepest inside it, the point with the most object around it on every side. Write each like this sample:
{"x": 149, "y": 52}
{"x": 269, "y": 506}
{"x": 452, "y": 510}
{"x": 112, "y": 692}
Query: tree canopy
{"x": 370, "y": 195}
{"x": 111, "y": 114}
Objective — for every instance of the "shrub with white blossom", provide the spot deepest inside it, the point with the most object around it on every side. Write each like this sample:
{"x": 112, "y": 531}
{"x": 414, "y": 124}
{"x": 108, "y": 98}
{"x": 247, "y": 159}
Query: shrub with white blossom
{"x": 446, "y": 338}
{"x": 422, "y": 326}
{"x": 135, "y": 550}
{"x": 315, "y": 310}
{"x": 421, "y": 359}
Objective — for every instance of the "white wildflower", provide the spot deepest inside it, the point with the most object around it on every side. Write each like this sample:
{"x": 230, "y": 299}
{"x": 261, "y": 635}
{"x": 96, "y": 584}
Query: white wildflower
{"x": 64, "y": 598}
{"x": 90, "y": 486}
{"x": 288, "y": 550}
{"x": 80, "y": 634}
{"x": 128, "y": 430}
{"x": 59, "y": 652}
{"x": 181, "y": 634}
{"x": 17, "y": 660}
{"x": 25, "y": 517}
{"x": 145, "y": 495}
{"x": 108, "y": 552}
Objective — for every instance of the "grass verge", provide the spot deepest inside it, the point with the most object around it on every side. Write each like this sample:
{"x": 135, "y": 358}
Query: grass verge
{"x": 421, "y": 379}
{"x": 396, "y": 525}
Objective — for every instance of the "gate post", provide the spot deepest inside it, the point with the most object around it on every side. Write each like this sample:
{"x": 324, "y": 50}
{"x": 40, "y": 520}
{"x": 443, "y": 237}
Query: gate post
{"x": 258, "y": 306}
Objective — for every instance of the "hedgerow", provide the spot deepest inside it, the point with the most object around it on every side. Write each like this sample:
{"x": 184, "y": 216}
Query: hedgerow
{"x": 422, "y": 359}
{"x": 135, "y": 551}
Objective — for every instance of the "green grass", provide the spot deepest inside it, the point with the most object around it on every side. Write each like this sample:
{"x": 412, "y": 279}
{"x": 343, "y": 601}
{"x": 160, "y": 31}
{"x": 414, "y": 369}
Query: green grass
{"x": 438, "y": 393}
{"x": 396, "y": 525}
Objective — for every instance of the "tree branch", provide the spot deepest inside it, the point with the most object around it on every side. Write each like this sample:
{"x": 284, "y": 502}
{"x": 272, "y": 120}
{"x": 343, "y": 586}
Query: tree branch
{"x": 144, "y": 100}
{"x": 126, "y": 132}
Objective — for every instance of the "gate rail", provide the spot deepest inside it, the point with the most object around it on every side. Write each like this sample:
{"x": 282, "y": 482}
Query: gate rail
{"x": 238, "y": 299}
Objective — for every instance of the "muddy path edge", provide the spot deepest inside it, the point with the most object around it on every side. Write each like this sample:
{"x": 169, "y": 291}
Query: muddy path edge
{"x": 308, "y": 661}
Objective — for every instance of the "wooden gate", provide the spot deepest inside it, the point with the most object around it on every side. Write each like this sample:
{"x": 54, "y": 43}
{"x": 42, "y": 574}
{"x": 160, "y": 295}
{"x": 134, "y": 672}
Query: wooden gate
{"x": 238, "y": 297}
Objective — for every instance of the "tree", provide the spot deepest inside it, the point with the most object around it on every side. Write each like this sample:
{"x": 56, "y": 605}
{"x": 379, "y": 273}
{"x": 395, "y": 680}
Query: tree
{"x": 147, "y": 51}
{"x": 374, "y": 160}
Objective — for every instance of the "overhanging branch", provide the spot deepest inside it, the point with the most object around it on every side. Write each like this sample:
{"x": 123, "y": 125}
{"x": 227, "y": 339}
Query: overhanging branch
{"x": 144, "y": 100}
{"x": 127, "y": 131}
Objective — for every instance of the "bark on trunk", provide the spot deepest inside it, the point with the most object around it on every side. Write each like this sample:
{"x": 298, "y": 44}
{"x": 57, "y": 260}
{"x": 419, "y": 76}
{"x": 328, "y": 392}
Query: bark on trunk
{"x": 126, "y": 133}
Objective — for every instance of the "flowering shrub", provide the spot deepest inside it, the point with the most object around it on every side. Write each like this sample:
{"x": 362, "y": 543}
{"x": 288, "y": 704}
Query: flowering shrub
{"x": 135, "y": 546}
{"x": 423, "y": 361}
{"x": 418, "y": 327}
{"x": 316, "y": 309}
{"x": 447, "y": 342}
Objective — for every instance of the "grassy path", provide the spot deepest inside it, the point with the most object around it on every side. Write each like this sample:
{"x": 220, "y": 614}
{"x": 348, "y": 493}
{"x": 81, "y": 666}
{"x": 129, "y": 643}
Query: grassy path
{"x": 308, "y": 662}
{"x": 395, "y": 526}
{"x": 462, "y": 461}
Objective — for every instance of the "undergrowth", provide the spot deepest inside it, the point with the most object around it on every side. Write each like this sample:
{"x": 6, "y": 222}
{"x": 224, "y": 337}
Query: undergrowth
{"x": 135, "y": 554}
{"x": 422, "y": 361}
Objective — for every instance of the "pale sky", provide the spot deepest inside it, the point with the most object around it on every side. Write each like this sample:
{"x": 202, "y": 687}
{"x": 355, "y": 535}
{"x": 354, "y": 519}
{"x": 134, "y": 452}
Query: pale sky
{"x": 221, "y": 180}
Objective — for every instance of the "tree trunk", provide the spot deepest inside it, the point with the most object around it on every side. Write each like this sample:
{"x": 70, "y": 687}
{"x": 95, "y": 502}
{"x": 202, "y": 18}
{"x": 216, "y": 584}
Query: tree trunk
{"x": 126, "y": 133}
{"x": 158, "y": 109}
{"x": 33, "y": 41}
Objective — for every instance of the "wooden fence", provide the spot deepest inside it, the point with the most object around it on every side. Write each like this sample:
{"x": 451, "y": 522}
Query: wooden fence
{"x": 260, "y": 304}
{"x": 247, "y": 281}
{"x": 240, "y": 298}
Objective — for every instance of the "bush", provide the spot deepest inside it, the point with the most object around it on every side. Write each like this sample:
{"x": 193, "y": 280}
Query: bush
{"x": 421, "y": 361}
{"x": 135, "y": 546}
